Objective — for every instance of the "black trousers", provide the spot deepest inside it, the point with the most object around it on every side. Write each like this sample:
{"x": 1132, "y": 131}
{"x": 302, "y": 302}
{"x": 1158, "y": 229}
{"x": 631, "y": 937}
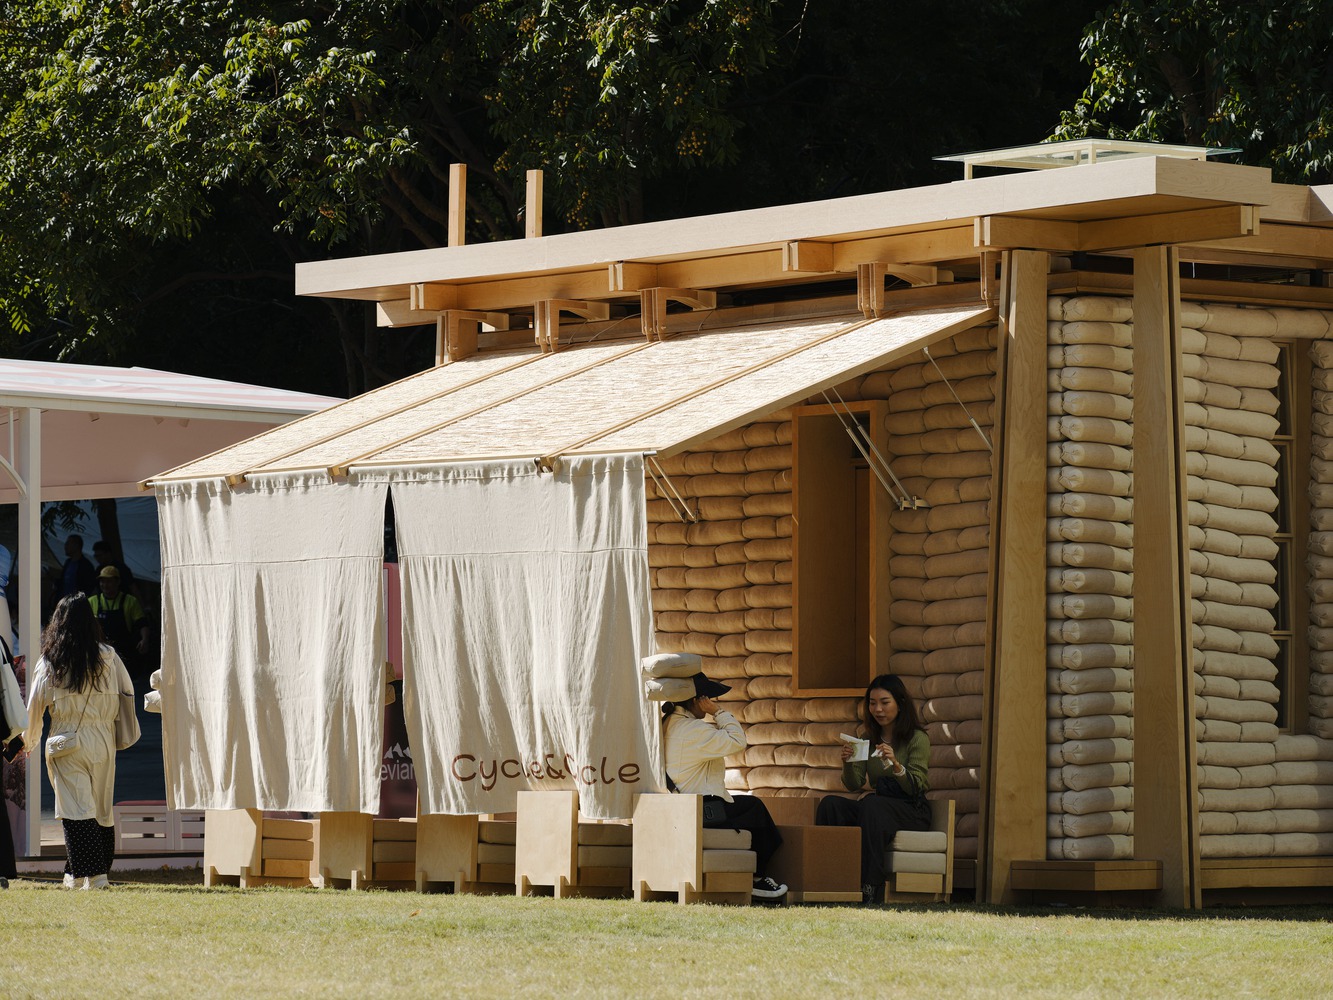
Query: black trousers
{"x": 89, "y": 847}
{"x": 880, "y": 818}
{"x": 750, "y": 813}
{"x": 8, "y": 867}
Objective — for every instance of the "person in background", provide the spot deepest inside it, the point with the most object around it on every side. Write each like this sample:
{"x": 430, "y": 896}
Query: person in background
{"x": 80, "y": 681}
{"x": 896, "y": 774}
{"x": 77, "y": 575}
{"x": 8, "y": 752}
{"x": 121, "y": 616}
{"x": 695, "y": 750}
{"x": 104, "y": 555}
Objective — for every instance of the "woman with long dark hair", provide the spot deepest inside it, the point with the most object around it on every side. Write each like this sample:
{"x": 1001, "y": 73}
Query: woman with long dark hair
{"x": 896, "y": 773}
{"x": 79, "y": 680}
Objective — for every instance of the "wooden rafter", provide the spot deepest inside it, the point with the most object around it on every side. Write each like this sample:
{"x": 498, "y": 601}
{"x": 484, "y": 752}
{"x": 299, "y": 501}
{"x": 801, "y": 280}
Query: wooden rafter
{"x": 456, "y": 332}
{"x": 546, "y": 319}
{"x": 653, "y": 304}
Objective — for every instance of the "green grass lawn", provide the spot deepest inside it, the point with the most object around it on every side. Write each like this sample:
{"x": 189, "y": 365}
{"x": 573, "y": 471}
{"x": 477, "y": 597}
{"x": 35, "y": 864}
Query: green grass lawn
{"x": 150, "y": 940}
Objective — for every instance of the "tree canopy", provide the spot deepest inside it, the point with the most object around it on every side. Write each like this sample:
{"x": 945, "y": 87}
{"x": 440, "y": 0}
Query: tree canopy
{"x": 1256, "y": 77}
{"x": 164, "y": 163}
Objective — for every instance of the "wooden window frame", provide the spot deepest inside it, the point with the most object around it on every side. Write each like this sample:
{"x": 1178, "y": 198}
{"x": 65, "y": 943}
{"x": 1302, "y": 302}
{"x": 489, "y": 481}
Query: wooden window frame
{"x": 1293, "y": 441}
{"x": 813, "y": 538}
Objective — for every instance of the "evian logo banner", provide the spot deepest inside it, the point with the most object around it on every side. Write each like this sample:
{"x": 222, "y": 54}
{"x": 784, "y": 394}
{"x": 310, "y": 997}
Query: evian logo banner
{"x": 397, "y": 764}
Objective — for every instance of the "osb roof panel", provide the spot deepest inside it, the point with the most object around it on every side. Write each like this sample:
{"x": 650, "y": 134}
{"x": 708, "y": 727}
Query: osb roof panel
{"x": 272, "y": 446}
{"x": 598, "y": 397}
{"x": 685, "y": 388}
{"x": 563, "y": 413}
{"x": 733, "y": 402}
{"x": 475, "y": 385}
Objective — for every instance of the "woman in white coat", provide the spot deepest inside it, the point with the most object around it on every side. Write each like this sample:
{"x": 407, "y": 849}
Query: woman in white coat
{"x": 79, "y": 680}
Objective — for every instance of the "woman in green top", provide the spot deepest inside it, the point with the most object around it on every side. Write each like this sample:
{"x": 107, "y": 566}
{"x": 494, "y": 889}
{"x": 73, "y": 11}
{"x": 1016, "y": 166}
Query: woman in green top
{"x": 896, "y": 772}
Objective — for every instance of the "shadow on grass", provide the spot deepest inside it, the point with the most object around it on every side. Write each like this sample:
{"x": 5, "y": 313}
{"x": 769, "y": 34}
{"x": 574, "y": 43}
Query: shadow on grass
{"x": 1295, "y": 912}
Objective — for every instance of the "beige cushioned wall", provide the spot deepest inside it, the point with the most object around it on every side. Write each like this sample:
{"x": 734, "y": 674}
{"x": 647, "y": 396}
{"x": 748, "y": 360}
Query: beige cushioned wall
{"x": 1261, "y": 792}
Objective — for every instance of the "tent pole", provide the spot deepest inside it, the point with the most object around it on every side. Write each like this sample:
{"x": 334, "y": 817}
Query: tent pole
{"x": 28, "y": 462}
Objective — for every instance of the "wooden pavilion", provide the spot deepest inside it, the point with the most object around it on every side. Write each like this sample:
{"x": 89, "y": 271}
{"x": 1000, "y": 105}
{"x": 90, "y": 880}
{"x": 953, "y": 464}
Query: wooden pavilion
{"x": 1055, "y": 445}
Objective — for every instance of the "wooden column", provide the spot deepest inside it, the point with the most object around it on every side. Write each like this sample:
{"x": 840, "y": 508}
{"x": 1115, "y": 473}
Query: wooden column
{"x": 1016, "y": 771}
{"x": 1165, "y": 816}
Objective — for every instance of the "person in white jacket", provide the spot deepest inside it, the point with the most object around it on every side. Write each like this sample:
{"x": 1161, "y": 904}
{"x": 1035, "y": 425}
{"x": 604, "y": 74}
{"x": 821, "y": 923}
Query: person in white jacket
{"x": 696, "y": 748}
{"x": 80, "y": 680}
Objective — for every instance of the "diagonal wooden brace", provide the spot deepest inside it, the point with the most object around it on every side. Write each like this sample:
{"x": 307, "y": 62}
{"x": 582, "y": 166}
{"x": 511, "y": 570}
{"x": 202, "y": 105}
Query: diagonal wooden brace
{"x": 870, "y": 282}
{"x": 653, "y": 303}
{"x": 546, "y": 319}
{"x": 456, "y": 332}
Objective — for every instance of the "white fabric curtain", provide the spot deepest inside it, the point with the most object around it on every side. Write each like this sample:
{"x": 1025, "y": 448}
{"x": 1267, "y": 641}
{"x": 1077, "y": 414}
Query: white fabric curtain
{"x": 525, "y": 614}
{"x": 273, "y": 693}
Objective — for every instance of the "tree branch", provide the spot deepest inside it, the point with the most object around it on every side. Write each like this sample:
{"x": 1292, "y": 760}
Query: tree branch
{"x": 195, "y": 277}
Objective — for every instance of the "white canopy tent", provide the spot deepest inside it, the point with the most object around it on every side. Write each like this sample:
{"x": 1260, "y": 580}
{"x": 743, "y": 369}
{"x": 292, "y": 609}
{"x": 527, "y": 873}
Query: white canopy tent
{"x": 71, "y": 432}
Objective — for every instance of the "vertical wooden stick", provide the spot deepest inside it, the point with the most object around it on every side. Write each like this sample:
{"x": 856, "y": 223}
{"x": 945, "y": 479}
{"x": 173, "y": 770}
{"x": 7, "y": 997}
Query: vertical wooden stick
{"x": 457, "y": 204}
{"x": 532, "y": 216}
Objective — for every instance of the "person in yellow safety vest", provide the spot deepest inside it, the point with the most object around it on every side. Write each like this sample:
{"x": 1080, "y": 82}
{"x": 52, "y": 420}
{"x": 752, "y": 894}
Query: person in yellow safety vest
{"x": 120, "y": 615}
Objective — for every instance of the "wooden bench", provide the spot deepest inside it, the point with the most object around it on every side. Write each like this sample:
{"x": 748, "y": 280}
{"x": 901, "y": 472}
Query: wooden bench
{"x": 357, "y": 850}
{"x": 471, "y": 854}
{"x": 920, "y": 862}
{"x": 555, "y": 851}
{"x": 149, "y": 826}
{"x": 245, "y": 847}
{"x": 1099, "y": 883}
{"x": 674, "y": 855}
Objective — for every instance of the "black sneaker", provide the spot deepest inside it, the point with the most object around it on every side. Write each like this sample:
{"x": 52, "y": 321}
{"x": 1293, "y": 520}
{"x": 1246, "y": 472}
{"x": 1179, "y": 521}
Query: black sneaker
{"x": 870, "y": 893}
{"x": 766, "y": 888}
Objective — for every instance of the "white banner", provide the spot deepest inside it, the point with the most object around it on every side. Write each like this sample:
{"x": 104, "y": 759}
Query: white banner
{"x": 273, "y": 690}
{"x": 526, "y": 610}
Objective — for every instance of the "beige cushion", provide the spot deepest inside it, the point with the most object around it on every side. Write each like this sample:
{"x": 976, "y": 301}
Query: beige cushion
{"x": 726, "y": 840}
{"x": 730, "y": 861}
{"x": 605, "y": 835}
{"x": 491, "y": 831}
{"x": 931, "y": 863}
{"x": 495, "y": 854}
{"x": 606, "y": 857}
{"x": 934, "y": 841}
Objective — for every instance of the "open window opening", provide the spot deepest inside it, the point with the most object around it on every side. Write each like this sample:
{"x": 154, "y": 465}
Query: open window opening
{"x": 841, "y": 532}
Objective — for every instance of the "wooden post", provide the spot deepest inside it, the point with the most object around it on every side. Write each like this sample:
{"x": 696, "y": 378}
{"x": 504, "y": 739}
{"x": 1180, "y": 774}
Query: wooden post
{"x": 1016, "y": 790}
{"x": 457, "y": 204}
{"x": 1165, "y": 818}
{"x": 532, "y": 213}
{"x": 28, "y": 465}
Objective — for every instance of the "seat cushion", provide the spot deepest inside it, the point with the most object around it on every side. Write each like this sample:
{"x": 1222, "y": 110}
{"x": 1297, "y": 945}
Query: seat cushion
{"x": 490, "y": 831}
{"x": 726, "y": 840}
{"x": 730, "y": 861}
{"x": 605, "y": 857}
{"x": 495, "y": 854}
{"x": 605, "y": 835}
{"x": 921, "y": 840}
{"x": 915, "y": 861}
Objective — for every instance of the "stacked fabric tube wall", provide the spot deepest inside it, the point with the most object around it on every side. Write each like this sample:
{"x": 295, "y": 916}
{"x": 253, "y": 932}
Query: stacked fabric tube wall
{"x": 722, "y": 585}
{"x": 1261, "y": 792}
{"x": 939, "y": 567}
{"x": 1089, "y": 580}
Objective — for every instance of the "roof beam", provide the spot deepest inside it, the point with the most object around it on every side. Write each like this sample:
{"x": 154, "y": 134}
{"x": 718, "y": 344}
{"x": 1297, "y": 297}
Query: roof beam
{"x": 1007, "y": 232}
